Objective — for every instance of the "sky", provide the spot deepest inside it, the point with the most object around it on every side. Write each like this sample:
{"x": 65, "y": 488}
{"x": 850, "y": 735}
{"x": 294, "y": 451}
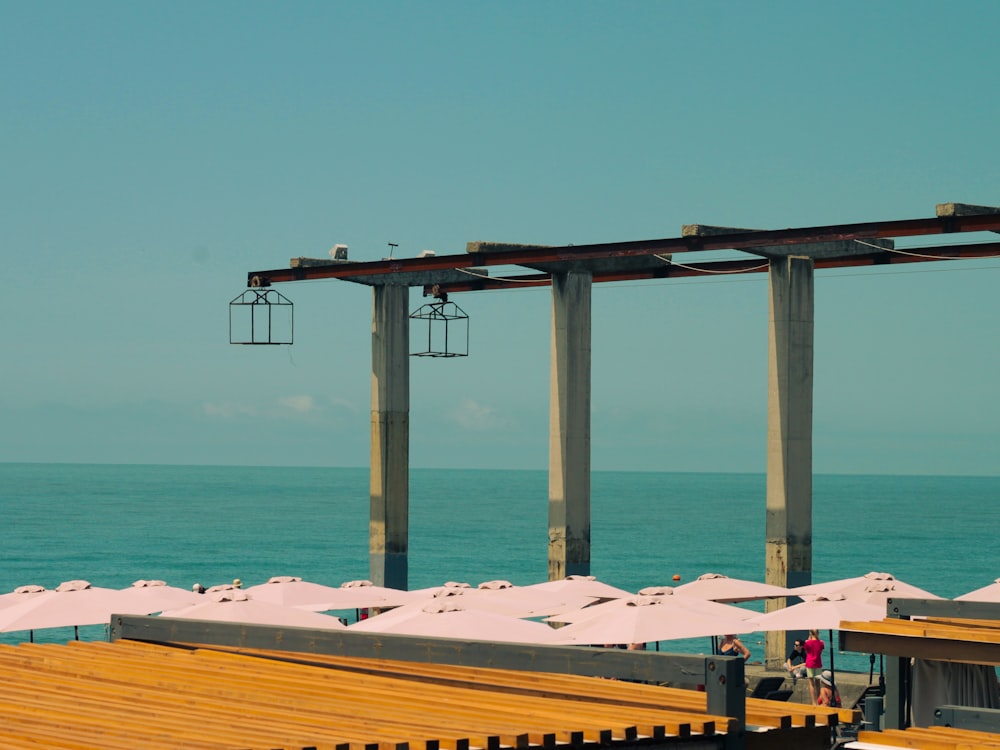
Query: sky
{"x": 152, "y": 154}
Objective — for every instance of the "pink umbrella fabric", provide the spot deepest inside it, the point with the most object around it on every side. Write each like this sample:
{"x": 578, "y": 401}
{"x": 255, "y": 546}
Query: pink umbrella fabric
{"x": 240, "y": 606}
{"x": 427, "y": 593}
{"x": 145, "y": 597}
{"x": 71, "y": 603}
{"x": 990, "y": 593}
{"x": 667, "y": 594}
{"x": 510, "y": 600}
{"x": 20, "y": 595}
{"x": 821, "y": 613}
{"x": 873, "y": 588}
{"x": 581, "y": 586}
{"x": 720, "y": 588}
{"x": 645, "y": 619}
{"x": 449, "y": 619}
{"x": 291, "y": 591}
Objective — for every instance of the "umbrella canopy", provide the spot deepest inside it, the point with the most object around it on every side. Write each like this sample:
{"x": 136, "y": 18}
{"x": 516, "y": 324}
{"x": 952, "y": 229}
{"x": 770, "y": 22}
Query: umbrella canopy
{"x": 821, "y": 613}
{"x": 146, "y": 597}
{"x": 221, "y": 587}
{"x": 668, "y": 594}
{"x": 290, "y": 591}
{"x": 873, "y": 588}
{"x": 510, "y": 600}
{"x": 581, "y": 586}
{"x": 989, "y": 593}
{"x": 20, "y": 595}
{"x": 644, "y": 619}
{"x": 720, "y": 588}
{"x": 432, "y": 590}
{"x": 71, "y": 603}
{"x": 240, "y": 606}
{"x": 449, "y": 619}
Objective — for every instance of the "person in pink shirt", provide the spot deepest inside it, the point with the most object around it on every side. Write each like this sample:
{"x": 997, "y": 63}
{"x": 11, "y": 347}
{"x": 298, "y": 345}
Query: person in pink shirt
{"x": 813, "y": 647}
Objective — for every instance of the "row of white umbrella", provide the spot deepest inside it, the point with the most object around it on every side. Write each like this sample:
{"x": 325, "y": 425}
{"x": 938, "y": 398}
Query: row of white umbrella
{"x": 592, "y": 612}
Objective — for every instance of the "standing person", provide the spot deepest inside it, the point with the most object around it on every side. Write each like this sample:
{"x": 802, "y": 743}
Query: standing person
{"x": 813, "y": 647}
{"x": 730, "y": 645}
{"x": 795, "y": 661}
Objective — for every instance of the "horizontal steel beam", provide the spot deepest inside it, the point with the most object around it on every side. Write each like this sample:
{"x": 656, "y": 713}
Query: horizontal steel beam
{"x": 670, "y": 270}
{"x": 732, "y": 241}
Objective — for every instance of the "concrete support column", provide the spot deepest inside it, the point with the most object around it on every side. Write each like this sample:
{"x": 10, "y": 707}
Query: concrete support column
{"x": 388, "y": 531}
{"x": 789, "y": 435}
{"x": 569, "y": 426}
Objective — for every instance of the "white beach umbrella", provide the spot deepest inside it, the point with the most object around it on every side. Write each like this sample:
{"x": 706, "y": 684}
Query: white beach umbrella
{"x": 240, "y": 606}
{"x": 450, "y": 619}
{"x": 645, "y": 619}
{"x": 720, "y": 588}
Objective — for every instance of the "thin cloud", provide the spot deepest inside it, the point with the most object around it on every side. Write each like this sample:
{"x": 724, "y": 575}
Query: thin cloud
{"x": 282, "y": 408}
{"x": 474, "y": 416}
{"x": 299, "y": 404}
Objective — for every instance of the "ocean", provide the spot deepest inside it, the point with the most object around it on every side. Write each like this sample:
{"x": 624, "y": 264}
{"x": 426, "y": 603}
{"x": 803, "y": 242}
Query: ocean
{"x": 114, "y": 524}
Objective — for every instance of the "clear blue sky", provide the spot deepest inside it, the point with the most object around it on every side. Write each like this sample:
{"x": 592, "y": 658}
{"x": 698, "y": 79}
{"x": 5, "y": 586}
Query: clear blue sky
{"x": 151, "y": 154}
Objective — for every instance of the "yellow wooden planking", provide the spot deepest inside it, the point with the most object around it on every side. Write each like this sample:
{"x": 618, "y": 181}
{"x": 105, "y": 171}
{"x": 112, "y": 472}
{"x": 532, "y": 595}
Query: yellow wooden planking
{"x": 78, "y": 667}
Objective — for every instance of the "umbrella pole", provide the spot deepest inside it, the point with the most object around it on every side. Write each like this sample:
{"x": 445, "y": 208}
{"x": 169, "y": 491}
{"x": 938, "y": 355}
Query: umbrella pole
{"x": 31, "y": 636}
{"x": 833, "y": 673}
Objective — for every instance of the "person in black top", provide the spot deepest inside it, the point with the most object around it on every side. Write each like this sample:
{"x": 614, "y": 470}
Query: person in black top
{"x": 795, "y": 663}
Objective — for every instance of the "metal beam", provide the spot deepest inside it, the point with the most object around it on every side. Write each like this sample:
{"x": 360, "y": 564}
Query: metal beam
{"x": 673, "y": 270}
{"x": 731, "y": 241}
{"x": 814, "y": 250}
{"x": 965, "y": 717}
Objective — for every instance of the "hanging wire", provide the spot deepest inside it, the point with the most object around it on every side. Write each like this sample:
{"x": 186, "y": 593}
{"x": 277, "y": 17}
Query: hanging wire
{"x": 671, "y": 262}
{"x": 922, "y": 255}
{"x": 501, "y": 278}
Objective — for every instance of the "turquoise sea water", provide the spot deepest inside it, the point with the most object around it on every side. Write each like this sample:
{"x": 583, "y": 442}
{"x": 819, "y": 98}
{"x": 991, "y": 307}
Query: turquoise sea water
{"x": 112, "y": 525}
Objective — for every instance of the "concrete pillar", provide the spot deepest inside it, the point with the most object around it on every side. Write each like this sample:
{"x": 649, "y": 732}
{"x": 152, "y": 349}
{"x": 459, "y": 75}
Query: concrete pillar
{"x": 388, "y": 531}
{"x": 569, "y": 426}
{"x": 789, "y": 435}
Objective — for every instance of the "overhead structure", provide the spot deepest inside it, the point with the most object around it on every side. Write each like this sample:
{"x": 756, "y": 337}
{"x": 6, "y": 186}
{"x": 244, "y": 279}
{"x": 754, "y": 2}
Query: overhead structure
{"x": 790, "y": 256}
{"x": 261, "y": 317}
{"x": 443, "y": 329}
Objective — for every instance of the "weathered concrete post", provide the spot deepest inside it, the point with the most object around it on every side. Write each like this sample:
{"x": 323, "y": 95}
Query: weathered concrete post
{"x": 388, "y": 532}
{"x": 789, "y": 434}
{"x": 569, "y": 425}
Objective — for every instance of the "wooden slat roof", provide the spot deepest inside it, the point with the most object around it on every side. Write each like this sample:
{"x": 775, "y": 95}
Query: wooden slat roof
{"x": 130, "y": 694}
{"x": 972, "y": 641}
